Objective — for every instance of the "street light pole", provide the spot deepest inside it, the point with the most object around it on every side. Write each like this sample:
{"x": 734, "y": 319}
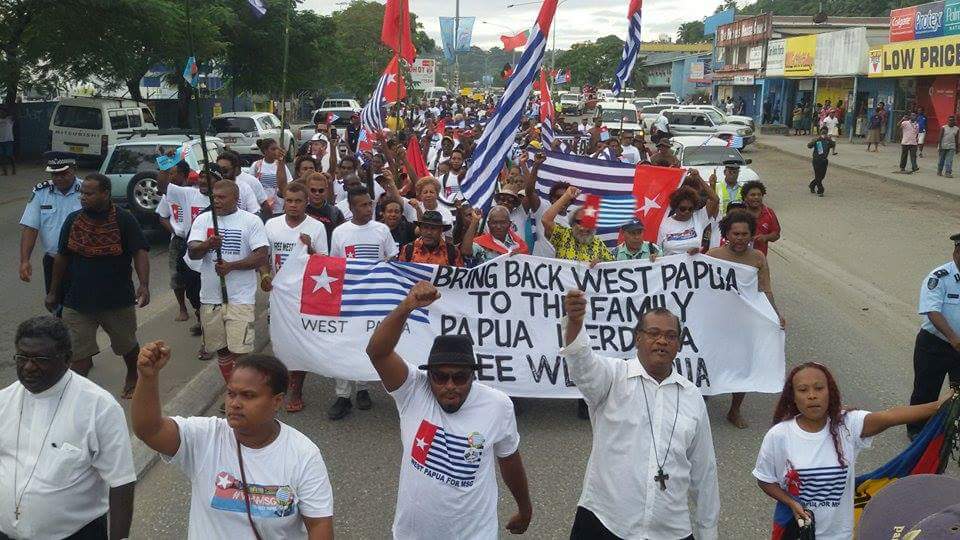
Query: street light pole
{"x": 456, "y": 57}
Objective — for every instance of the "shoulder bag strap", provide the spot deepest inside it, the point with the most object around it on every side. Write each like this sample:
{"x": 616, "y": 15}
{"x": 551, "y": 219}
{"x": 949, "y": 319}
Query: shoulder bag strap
{"x": 246, "y": 493}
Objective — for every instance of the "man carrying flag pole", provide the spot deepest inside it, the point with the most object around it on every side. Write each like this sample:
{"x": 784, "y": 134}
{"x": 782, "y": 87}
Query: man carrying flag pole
{"x": 480, "y": 181}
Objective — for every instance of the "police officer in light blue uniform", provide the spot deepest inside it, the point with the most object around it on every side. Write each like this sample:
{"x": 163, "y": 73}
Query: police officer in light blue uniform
{"x": 50, "y": 204}
{"x": 937, "y": 349}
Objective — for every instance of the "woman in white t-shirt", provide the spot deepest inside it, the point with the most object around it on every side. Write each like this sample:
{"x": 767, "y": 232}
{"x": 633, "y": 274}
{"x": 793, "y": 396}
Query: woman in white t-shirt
{"x": 682, "y": 231}
{"x": 271, "y": 175}
{"x": 807, "y": 459}
{"x": 428, "y": 189}
{"x": 250, "y": 474}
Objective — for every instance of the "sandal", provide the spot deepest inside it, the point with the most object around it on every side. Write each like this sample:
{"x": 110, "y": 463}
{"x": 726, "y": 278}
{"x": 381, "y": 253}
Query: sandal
{"x": 204, "y": 355}
{"x": 295, "y": 405}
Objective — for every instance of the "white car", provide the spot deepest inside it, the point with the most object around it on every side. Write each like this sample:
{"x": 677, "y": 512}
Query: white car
{"x": 571, "y": 103}
{"x": 650, "y": 113}
{"x": 617, "y": 114}
{"x": 239, "y": 131}
{"x": 87, "y": 126}
{"x": 336, "y": 103}
{"x": 131, "y": 167}
{"x": 730, "y": 118}
{"x": 667, "y": 98}
{"x": 709, "y": 155}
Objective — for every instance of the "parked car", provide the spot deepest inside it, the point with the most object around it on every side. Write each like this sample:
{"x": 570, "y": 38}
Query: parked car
{"x": 132, "y": 168}
{"x": 337, "y": 103}
{"x": 650, "y": 113}
{"x": 614, "y": 114}
{"x": 88, "y": 126}
{"x": 341, "y": 119}
{"x": 708, "y": 155}
{"x": 730, "y": 118}
{"x": 640, "y": 103}
{"x": 696, "y": 122}
{"x": 571, "y": 103}
{"x": 667, "y": 98}
{"x": 239, "y": 131}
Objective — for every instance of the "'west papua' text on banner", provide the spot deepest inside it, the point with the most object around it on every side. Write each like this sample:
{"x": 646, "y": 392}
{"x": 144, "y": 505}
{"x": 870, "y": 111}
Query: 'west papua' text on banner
{"x": 323, "y": 311}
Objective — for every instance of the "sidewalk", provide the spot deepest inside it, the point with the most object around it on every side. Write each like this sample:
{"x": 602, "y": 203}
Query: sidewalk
{"x": 883, "y": 165}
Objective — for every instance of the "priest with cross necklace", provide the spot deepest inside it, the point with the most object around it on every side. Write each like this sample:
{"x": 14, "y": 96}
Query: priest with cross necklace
{"x": 652, "y": 445}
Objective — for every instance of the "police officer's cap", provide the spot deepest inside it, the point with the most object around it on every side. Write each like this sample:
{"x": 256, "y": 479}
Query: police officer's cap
{"x": 59, "y": 161}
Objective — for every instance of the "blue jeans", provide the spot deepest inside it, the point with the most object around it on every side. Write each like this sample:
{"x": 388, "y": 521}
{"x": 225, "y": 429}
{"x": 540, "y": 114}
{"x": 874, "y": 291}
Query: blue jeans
{"x": 945, "y": 164}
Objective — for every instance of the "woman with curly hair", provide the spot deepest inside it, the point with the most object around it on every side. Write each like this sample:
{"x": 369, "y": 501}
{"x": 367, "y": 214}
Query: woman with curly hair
{"x": 683, "y": 230}
{"x": 807, "y": 458}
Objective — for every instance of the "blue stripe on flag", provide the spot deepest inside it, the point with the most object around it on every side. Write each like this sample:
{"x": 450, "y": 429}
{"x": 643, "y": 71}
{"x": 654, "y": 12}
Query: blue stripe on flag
{"x": 629, "y": 56}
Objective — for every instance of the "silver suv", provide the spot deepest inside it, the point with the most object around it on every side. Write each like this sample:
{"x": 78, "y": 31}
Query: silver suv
{"x": 705, "y": 122}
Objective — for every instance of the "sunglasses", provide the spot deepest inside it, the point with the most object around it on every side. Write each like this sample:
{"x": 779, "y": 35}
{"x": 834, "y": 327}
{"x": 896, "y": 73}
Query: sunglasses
{"x": 684, "y": 209}
{"x": 460, "y": 378}
{"x": 316, "y": 190}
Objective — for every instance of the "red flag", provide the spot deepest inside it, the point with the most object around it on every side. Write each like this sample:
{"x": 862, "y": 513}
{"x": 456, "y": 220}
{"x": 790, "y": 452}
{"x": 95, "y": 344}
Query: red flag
{"x": 652, "y": 186}
{"x": 512, "y": 42}
{"x": 566, "y": 76}
{"x": 395, "y": 89}
{"x": 415, "y": 157}
{"x": 591, "y": 211}
{"x": 396, "y": 29}
{"x": 441, "y": 126}
{"x": 322, "y": 288}
{"x": 506, "y": 72}
{"x": 546, "y": 104}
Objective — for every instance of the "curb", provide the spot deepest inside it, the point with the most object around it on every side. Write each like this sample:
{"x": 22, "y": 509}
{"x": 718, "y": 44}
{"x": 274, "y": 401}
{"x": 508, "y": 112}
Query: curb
{"x": 878, "y": 176}
{"x": 196, "y": 396}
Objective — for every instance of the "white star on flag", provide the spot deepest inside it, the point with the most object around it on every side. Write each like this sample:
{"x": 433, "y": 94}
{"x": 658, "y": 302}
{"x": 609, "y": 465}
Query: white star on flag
{"x": 421, "y": 444}
{"x": 391, "y": 78}
{"x": 590, "y": 211}
{"x": 648, "y": 205}
{"x": 222, "y": 481}
{"x": 323, "y": 281}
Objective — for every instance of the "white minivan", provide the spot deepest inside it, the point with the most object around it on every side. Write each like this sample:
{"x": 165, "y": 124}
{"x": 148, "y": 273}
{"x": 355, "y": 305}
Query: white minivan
{"x": 87, "y": 126}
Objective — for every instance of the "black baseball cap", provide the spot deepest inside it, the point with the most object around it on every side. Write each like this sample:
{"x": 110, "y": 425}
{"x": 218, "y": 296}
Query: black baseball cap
{"x": 451, "y": 350}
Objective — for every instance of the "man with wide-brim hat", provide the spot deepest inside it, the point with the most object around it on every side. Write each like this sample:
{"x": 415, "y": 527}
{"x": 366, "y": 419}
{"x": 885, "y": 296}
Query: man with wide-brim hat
{"x": 452, "y": 433}
{"x": 431, "y": 247}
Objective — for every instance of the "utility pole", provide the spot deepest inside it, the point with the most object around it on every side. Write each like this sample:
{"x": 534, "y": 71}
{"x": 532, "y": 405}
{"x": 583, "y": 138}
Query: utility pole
{"x": 456, "y": 57}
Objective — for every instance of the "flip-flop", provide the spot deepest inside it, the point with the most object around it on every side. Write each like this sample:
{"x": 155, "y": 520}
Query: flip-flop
{"x": 204, "y": 355}
{"x": 294, "y": 406}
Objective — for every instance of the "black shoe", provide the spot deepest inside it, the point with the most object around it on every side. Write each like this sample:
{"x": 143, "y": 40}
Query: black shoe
{"x": 812, "y": 189}
{"x": 582, "y": 412}
{"x": 363, "y": 400}
{"x": 340, "y": 408}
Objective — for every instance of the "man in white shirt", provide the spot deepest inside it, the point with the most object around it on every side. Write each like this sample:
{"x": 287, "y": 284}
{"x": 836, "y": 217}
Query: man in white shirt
{"x": 584, "y": 128}
{"x": 228, "y": 260}
{"x": 652, "y": 445}
{"x": 285, "y": 234}
{"x": 359, "y": 238}
{"x": 451, "y": 430}
{"x": 661, "y": 128}
{"x": 229, "y": 163}
{"x": 65, "y": 457}
{"x": 629, "y": 153}
{"x": 6, "y": 141}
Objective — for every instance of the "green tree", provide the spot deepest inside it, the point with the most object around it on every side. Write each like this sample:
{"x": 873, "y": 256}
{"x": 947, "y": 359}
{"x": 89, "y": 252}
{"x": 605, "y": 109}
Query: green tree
{"x": 837, "y": 8}
{"x": 690, "y": 32}
{"x": 592, "y": 62}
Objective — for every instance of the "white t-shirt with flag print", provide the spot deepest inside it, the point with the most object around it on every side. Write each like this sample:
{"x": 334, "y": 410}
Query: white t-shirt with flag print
{"x": 371, "y": 240}
{"x": 181, "y": 205}
{"x": 267, "y": 174}
{"x": 287, "y": 481}
{"x": 241, "y": 233}
{"x": 448, "y": 482}
{"x": 805, "y": 465}
{"x": 285, "y": 239}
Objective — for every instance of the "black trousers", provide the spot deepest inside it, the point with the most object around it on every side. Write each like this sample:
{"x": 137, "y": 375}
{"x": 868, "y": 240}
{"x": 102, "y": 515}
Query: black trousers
{"x": 48, "y": 277}
{"x": 819, "y": 173}
{"x": 586, "y": 526}
{"x": 910, "y": 149}
{"x": 97, "y": 529}
{"x": 933, "y": 359}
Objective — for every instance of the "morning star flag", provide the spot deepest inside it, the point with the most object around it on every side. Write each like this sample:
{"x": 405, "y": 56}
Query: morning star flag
{"x": 547, "y": 113}
{"x": 395, "y": 32}
{"x": 480, "y": 182}
{"x": 390, "y": 87}
{"x": 630, "y": 48}
{"x": 615, "y": 183}
{"x": 515, "y": 42}
{"x": 455, "y": 456}
{"x": 323, "y": 311}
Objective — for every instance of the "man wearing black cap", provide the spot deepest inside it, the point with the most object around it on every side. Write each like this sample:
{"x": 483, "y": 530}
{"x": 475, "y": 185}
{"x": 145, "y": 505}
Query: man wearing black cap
{"x": 937, "y": 349}
{"x": 634, "y": 246}
{"x": 50, "y": 204}
{"x": 431, "y": 248}
{"x": 451, "y": 430}
{"x": 730, "y": 190}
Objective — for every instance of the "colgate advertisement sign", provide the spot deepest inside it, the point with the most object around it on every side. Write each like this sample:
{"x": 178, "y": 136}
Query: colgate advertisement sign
{"x": 902, "y": 23}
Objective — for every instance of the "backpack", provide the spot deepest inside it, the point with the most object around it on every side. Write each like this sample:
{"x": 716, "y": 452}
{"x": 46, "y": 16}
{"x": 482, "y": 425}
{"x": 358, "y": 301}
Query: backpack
{"x": 451, "y": 253}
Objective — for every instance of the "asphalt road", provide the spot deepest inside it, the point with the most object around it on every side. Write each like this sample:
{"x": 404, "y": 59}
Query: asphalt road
{"x": 846, "y": 274}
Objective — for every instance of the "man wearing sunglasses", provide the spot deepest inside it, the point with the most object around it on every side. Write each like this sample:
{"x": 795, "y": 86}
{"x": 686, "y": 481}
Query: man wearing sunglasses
{"x": 452, "y": 431}
{"x": 937, "y": 349}
{"x": 318, "y": 203}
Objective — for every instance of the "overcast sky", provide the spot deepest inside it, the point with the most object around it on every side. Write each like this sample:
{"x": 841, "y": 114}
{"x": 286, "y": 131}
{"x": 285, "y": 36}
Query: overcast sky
{"x": 576, "y": 20}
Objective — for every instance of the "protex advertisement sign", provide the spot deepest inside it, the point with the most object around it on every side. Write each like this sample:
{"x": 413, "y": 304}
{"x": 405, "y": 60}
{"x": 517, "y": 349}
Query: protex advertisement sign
{"x": 928, "y": 22}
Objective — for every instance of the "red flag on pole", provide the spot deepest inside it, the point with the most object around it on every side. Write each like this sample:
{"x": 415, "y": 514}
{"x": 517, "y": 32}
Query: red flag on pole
{"x": 395, "y": 90}
{"x": 396, "y": 29}
{"x": 653, "y": 186}
{"x": 415, "y": 157}
{"x": 591, "y": 211}
{"x": 513, "y": 42}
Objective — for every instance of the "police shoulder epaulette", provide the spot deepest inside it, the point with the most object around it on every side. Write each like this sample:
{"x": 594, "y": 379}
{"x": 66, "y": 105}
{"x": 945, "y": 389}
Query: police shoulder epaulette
{"x": 941, "y": 273}
{"x": 42, "y": 185}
